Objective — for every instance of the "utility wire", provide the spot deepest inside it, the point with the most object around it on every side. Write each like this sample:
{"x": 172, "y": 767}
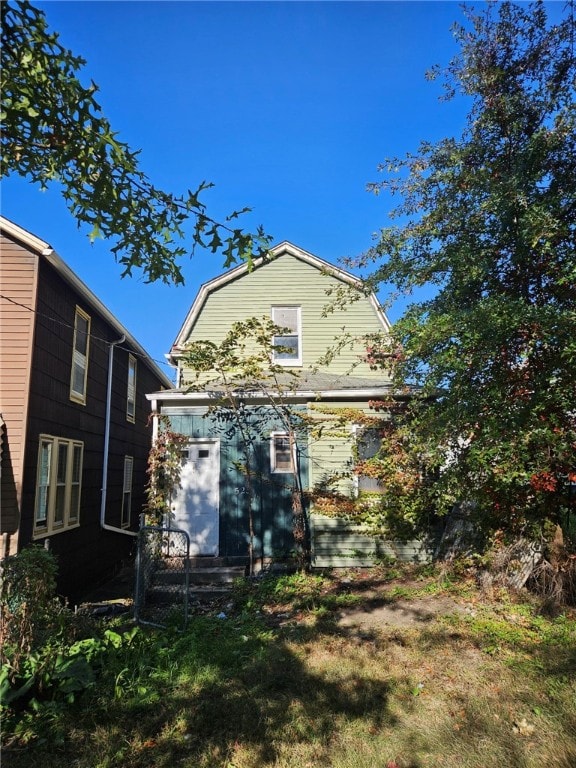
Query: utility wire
{"x": 92, "y": 336}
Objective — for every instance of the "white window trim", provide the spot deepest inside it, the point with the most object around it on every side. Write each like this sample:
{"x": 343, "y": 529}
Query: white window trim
{"x": 132, "y": 362}
{"x": 294, "y": 362}
{"x": 127, "y": 490}
{"x": 358, "y": 431}
{"x": 71, "y": 518}
{"x": 273, "y": 468}
{"x": 80, "y": 397}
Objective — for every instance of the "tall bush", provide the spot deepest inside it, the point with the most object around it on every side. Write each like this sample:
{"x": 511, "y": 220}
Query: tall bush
{"x": 28, "y": 603}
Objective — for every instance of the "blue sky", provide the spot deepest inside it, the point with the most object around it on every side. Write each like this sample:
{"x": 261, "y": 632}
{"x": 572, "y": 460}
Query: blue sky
{"x": 287, "y": 107}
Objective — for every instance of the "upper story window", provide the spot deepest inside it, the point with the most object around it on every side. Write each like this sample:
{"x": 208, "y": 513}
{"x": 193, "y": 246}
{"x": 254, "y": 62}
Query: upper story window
{"x": 58, "y": 485}
{"x": 79, "y": 373}
{"x": 131, "y": 391}
{"x": 291, "y": 341}
{"x": 281, "y": 453}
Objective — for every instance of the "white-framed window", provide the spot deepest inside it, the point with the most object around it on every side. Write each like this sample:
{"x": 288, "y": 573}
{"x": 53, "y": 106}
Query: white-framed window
{"x": 368, "y": 442}
{"x": 291, "y": 341}
{"x": 127, "y": 491}
{"x": 281, "y": 453}
{"x": 58, "y": 485}
{"x": 131, "y": 390}
{"x": 79, "y": 374}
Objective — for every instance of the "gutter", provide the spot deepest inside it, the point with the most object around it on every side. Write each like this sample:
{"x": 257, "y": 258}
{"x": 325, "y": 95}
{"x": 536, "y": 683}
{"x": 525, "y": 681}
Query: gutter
{"x": 103, "y": 524}
{"x": 176, "y": 396}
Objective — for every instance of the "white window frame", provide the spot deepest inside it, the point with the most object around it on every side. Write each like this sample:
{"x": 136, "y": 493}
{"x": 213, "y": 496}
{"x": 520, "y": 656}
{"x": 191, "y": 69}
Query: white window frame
{"x": 127, "y": 491}
{"x": 58, "y": 484}
{"x": 131, "y": 389}
{"x": 274, "y": 468}
{"x": 79, "y": 358}
{"x": 293, "y": 361}
{"x": 372, "y": 485}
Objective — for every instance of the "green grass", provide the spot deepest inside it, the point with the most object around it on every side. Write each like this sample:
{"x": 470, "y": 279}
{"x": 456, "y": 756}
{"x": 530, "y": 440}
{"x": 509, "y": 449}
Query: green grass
{"x": 280, "y": 683}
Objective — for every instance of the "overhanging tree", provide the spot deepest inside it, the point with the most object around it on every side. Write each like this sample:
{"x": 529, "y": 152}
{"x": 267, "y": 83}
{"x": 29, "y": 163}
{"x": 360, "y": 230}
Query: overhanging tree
{"x": 53, "y": 130}
{"x": 489, "y": 221}
{"x": 249, "y": 392}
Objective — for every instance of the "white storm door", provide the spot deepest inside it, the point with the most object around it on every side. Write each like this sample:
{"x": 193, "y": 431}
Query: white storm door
{"x": 196, "y": 503}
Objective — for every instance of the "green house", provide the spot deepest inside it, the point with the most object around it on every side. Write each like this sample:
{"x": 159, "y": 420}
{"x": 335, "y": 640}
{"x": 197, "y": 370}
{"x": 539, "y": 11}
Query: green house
{"x": 218, "y": 504}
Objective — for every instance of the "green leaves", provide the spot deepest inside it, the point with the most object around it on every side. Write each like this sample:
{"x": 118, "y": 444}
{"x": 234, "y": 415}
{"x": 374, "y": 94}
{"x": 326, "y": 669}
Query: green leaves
{"x": 489, "y": 220}
{"x": 54, "y": 131}
{"x": 248, "y": 394}
{"x": 164, "y": 472}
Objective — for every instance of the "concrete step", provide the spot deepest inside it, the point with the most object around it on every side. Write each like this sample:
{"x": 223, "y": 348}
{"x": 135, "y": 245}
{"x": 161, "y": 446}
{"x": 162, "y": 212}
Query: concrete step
{"x": 208, "y": 592}
{"x": 205, "y": 561}
{"x": 217, "y": 575}
{"x": 173, "y": 594}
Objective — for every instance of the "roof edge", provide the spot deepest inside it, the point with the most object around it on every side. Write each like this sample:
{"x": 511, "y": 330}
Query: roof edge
{"x": 284, "y": 247}
{"x": 363, "y": 393}
{"x": 43, "y": 249}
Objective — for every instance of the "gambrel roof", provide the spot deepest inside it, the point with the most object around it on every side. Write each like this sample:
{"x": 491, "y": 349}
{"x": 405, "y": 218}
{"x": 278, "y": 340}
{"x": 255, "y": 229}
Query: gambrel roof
{"x": 278, "y": 250}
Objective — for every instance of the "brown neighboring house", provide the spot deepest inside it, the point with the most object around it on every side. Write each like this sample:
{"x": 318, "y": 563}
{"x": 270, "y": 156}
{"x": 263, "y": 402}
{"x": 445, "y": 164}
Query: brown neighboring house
{"x": 73, "y": 416}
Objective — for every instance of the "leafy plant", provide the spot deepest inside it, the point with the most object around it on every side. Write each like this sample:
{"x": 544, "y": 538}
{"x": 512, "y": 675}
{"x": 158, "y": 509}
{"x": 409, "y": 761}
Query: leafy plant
{"x": 28, "y": 604}
{"x": 53, "y": 677}
{"x": 54, "y": 132}
{"x": 239, "y": 371}
{"x": 487, "y": 221}
{"x": 164, "y": 470}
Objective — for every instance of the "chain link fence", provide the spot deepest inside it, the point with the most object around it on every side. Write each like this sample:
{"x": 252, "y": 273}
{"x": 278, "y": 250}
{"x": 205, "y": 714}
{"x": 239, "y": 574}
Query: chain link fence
{"x": 162, "y": 577}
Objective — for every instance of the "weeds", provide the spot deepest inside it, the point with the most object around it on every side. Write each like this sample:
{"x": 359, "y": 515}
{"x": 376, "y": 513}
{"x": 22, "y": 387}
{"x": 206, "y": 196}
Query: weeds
{"x": 279, "y": 682}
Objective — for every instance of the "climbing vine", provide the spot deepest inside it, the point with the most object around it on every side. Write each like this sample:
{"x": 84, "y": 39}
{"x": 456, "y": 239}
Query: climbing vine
{"x": 164, "y": 470}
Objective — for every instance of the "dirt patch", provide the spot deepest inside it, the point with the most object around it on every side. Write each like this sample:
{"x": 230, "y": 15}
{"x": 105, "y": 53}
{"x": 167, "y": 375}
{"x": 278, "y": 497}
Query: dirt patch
{"x": 400, "y": 613}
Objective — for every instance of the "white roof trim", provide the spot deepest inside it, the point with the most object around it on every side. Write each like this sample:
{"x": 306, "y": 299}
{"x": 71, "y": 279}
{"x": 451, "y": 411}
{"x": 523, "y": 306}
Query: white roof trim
{"x": 173, "y": 396}
{"x": 43, "y": 249}
{"x": 27, "y": 238}
{"x": 233, "y": 274}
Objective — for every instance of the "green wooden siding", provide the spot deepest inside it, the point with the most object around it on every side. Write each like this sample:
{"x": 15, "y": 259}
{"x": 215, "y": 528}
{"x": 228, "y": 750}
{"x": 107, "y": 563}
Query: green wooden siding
{"x": 272, "y": 502}
{"x": 332, "y": 454}
{"x": 339, "y": 543}
{"x": 288, "y": 280}
{"x": 335, "y": 542}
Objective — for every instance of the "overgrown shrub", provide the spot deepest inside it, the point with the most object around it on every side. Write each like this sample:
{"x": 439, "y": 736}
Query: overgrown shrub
{"x": 50, "y": 656}
{"x": 28, "y": 602}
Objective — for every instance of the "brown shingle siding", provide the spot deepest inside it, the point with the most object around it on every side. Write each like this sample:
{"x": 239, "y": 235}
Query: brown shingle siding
{"x": 18, "y": 277}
